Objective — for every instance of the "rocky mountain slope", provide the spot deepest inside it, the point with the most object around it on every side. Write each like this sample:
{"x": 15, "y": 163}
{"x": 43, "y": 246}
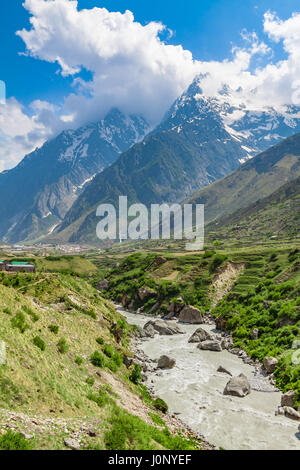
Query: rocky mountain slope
{"x": 254, "y": 180}
{"x": 36, "y": 195}
{"x": 200, "y": 140}
{"x": 277, "y": 215}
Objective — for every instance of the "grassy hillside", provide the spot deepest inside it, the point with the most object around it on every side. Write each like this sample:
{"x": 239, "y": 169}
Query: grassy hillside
{"x": 254, "y": 288}
{"x": 256, "y": 179}
{"x": 278, "y": 215}
{"x": 64, "y": 375}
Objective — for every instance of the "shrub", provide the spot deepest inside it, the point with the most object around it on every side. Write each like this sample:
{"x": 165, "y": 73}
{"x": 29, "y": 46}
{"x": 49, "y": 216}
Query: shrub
{"x": 78, "y": 360}
{"x": 39, "y": 343}
{"x": 62, "y": 346}
{"x": 90, "y": 381}
{"x": 31, "y": 313}
{"x": 160, "y": 405}
{"x": 97, "y": 359}
{"x": 136, "y": 376}
{"x": 53, "y": 328}
{"x": 19, "y": 322}
{"x": 14, "y": 441}
{"x": 101, "y": 398}
{"x": 100, "y": 341}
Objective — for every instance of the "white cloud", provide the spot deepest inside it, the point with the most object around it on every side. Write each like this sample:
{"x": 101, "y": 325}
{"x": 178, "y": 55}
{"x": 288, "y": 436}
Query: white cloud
{"x": 19, "y": 133}
{"x": 134, "y": 69}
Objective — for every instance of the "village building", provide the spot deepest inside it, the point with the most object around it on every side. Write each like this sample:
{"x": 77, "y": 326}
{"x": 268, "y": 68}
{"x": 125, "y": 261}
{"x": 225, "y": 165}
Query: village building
{"x": 17, "y": 266}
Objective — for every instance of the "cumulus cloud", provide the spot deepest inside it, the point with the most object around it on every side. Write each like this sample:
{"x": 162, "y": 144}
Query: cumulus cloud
{"x": 132, "y": 68}
{"x": 19, "y": 133}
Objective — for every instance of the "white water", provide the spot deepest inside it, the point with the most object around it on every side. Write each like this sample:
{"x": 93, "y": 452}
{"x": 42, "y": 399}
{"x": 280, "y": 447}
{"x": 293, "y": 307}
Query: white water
{"x": 194, "y": 389}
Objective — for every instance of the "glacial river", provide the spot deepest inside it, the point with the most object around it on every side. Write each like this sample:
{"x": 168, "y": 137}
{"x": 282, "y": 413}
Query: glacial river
{"x": 194, "y": 390}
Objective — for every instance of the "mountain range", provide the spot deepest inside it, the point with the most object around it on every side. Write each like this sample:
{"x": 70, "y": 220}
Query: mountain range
{"x": 36, "y": 195}
{"x": 54, "y": 192}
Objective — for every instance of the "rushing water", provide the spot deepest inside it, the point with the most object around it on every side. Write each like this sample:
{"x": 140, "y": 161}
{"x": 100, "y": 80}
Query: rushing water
{"x": 194, "y": 389}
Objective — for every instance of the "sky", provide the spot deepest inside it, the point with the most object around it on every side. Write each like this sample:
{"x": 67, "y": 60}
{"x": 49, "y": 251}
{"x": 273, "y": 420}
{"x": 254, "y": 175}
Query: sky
{"x": 67, "y": 62}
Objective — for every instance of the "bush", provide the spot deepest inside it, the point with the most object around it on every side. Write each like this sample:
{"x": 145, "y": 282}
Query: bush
{"x": 14, "y": 441}
{"x": 101, "y": 398}
{"x": 62, "y": 346}
{"x": 100, "y": 341}
{"x": 53, "y": 328}
{"x": 19, "y": 322}
{"x": 31, "y": 313}
{"x": 136, "y": 376}
{"x": 97, "y": 359}
{"x": 78, "y": 360}
{"x": 90, "y": 381}
{"x": 39, "y": 343}
{"x": 160, "y": 405}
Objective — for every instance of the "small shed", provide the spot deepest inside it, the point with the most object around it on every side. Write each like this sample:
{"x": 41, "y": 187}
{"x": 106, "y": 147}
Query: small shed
{"x": 2, "y": 264}
{"x": 19, "y": 266}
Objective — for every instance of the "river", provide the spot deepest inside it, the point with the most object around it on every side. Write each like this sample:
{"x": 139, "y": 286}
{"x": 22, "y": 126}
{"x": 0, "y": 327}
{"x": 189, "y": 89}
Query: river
{"x": 194, "y": 389}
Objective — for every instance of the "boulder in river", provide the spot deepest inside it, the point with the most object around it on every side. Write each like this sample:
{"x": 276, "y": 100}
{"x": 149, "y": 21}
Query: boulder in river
{"x": 191, "y": 314}
{"x": 200, "y": 335}
{"x": 237, "y": 386}
{"x": 165, "y": 362}
{"x": 210, "y": 345}
{"x": 224, "y": 371}
{"x": 164, "y": 327}
{"x": 288, "y": 399}
{"x": 149, "y": 330}
{"x": 270, "y": 364}
{"x": 289, "y": 412}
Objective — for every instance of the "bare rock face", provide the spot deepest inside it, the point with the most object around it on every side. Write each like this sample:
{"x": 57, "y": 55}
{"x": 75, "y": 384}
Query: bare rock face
{"x": 191, "y": 314}
{"x": 125, "y": 301}
{"x": 270, "y": 364}
{"x": 210, "y": 345}
{"x": 237, "y": 386}
{"x": 103, "y": 285}
{"x": 200, "y": 335}
{"x": 164, "y": 327}
{"x": 288, "y": 399}
{"x": 165, "y": 362}
{"x": 145, "y": 292}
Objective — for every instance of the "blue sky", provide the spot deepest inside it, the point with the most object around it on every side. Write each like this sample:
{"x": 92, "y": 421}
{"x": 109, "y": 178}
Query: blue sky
{"x": 208, "y": 28}
{"x": 73, "y": 64}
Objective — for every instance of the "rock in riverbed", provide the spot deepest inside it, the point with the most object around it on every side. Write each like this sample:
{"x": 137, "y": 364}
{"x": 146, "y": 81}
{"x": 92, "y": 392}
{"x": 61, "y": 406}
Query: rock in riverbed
{"x": 210, "y": 345}
{"x": 288, "y": 399}
{"x": 270, "y": 364}
{"x": 224, "y": 371}
{"x": 288, "y": 412}
{"x": 200, "y": 335}
{"x": 191, "y": 314}
{"x": 237, "y": 386}
{"x": 165, "y": 362}
{"x": 164, "y": 327}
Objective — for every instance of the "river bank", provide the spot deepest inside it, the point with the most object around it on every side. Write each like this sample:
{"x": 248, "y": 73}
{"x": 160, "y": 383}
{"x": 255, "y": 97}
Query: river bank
{"x": 193, "y": 390}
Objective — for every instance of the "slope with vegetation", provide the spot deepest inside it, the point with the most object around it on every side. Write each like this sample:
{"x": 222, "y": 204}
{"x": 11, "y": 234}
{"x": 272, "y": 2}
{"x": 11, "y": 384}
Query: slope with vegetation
{"x": 256, "y": 179}
{"x": 277, "y": 215}
{"x": 244, "y": 290}
{"x": 64, "y": 383}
